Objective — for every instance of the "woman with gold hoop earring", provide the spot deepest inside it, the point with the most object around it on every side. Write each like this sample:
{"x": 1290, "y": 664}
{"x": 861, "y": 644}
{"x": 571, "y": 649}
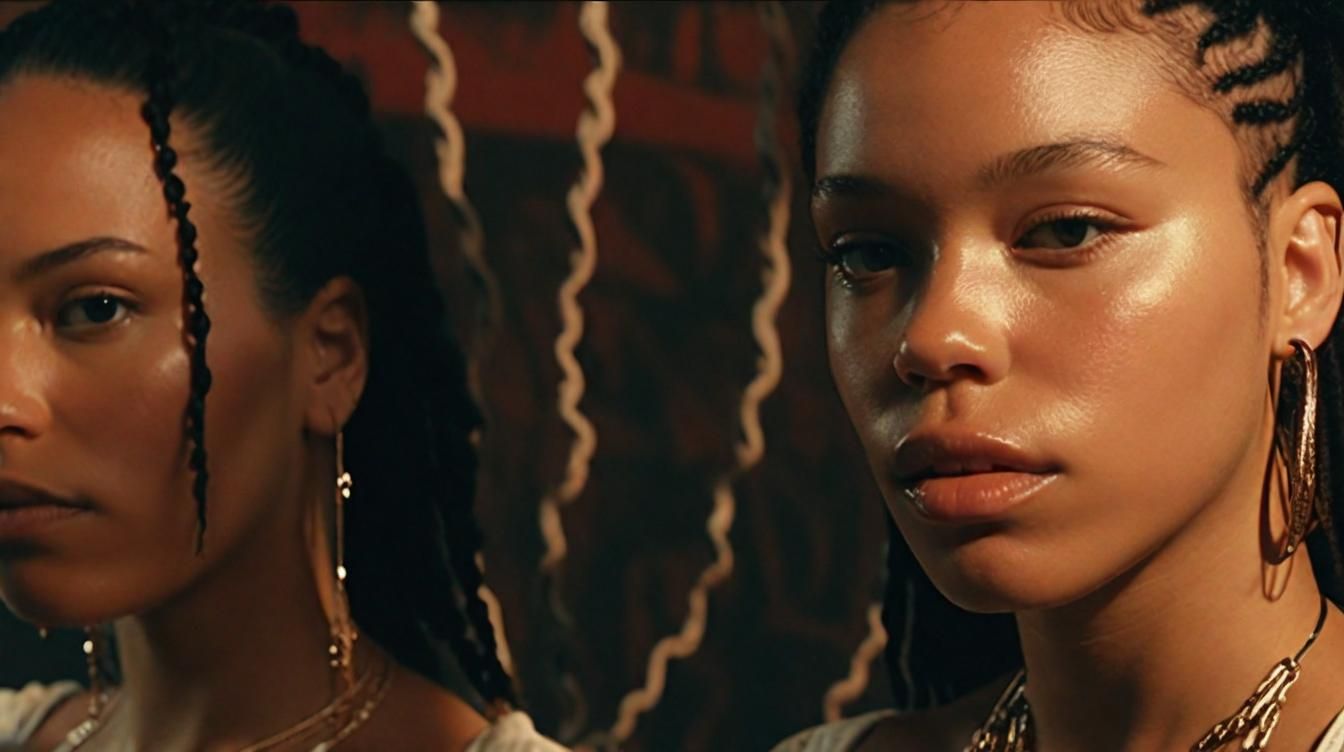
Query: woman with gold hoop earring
{"x": 235, "y": 429}
{"x": 1082, "y": 300}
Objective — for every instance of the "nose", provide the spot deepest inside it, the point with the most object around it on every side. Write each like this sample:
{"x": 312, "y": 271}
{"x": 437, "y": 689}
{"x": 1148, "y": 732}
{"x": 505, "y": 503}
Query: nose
{"x": 957, "y": 327}
{"x": 24, "y": 413}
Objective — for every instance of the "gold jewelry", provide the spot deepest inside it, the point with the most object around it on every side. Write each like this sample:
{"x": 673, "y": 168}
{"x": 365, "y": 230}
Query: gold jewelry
{"x": 1009, "y": 729}
{"x": 1302, "y": 466}
{"x": 347, "y": 712}
{"x": 343, "y": 632}
{"x": 93, "y": 659}
{"x": 357, "y": 699}
{"x": 339, "y": 718}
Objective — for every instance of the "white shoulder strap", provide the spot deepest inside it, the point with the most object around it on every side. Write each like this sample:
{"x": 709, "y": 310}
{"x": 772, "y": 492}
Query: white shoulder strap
{"x": 23, "y": 711}
{"x": 840, "y": 736}
{"x": 1333, "y": 740}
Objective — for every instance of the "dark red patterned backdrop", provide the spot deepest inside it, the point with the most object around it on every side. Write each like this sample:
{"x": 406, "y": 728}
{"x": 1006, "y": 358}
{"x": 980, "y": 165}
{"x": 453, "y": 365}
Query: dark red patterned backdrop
{"x": 667, "y": 350}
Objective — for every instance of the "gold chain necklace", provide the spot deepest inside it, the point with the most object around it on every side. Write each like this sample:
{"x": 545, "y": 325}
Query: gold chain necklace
{"x": 323, "y": 730}
{"x": 1008, "y": 727}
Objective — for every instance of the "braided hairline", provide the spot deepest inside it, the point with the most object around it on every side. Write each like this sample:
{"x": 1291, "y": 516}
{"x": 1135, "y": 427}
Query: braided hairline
{"x": 277, "y": 26}
{"x": 1313, "y": 141}
{"x": 1241, "y": 65}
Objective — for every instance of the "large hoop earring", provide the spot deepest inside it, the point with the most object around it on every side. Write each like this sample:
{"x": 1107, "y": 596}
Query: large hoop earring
{"x": 1302, "y": 458}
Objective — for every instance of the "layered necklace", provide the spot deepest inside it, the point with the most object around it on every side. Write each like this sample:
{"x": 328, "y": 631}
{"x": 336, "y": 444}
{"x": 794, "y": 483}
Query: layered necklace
{"x": 319, "y": 732}
{"x": 1009, "y": 727}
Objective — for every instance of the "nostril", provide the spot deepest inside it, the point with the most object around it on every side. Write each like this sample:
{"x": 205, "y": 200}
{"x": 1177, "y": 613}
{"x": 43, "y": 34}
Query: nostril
{"x": 20, "y": 414}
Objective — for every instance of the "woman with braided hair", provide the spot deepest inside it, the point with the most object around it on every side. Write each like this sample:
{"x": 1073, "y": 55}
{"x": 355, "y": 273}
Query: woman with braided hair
{"x": 1083, "y": 292}
{"x": 234, "y": 430}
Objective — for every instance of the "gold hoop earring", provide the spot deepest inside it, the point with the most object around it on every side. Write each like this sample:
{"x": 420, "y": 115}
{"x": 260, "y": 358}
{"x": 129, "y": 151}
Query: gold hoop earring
{"x": 1302, "y": 459}
{"x": 343, "y": 634}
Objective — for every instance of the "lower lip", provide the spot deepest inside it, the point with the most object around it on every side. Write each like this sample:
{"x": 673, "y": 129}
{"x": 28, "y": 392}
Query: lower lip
{"x": 22, "y": 521}
{"x": 975, "y": 497}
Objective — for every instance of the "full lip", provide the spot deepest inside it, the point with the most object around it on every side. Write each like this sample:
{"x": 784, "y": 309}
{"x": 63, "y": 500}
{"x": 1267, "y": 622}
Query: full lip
{"x": 18, "y": 494}
{"x": 944, "y": 453}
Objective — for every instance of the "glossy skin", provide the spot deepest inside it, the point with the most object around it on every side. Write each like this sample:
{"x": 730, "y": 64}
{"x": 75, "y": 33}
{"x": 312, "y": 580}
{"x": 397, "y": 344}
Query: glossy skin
{"x": 94, "y": 412}
{"x": 1099, "y": 311}
{"x": 92, "y": 394}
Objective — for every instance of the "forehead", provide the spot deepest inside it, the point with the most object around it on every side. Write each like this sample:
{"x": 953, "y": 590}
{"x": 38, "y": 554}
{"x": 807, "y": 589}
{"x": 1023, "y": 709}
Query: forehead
{"x": 75, "y": 162}
{"x": 935, "y": 91}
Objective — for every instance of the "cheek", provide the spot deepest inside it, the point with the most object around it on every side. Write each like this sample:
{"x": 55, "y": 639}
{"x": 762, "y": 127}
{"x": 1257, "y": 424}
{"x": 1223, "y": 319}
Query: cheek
{"x": 254, "y": 431}
{"x": 860, "y": 344}
{"x": 114, "y": 439}
{"x": 1156, "y": 372}
{"x": 1148, "y": 388}
{"x": 122, "y": 410}
{"x": 119, "y": 427}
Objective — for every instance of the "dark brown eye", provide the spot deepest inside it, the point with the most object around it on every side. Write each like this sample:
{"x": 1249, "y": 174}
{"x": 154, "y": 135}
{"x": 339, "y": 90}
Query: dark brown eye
{"x": 862, "y": 259}
{"x": 1069, "y": 232}
{"x": 92, "y": 311}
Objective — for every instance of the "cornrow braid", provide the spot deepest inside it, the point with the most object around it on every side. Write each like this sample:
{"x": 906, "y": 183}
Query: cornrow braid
{"x": 1282, "y": 54}
{"x": 323, "y": 198}
{"x": 159, "y": 77}
{"x": 1238, "y": 21}
{"x": 1264, "y": 111}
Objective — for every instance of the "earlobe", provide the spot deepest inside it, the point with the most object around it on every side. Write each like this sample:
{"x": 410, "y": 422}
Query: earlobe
{"x": 1308, "y": 226}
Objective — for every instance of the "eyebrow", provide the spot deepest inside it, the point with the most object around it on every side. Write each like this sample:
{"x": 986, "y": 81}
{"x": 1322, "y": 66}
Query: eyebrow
{"x": 1033, "y": 160}
{"x": 68, "y": 254}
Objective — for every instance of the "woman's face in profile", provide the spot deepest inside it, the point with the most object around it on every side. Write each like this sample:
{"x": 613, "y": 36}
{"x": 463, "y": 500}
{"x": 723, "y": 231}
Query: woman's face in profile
{"x": 1038, "y": 238}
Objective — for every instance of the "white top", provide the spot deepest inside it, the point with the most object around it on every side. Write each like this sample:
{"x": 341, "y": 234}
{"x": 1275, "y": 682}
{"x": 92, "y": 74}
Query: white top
{"x": 24, "y": 710}
{"x": 844, "y": 736}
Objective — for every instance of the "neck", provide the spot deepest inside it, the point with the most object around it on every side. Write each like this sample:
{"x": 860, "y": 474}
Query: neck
{"x": 241, "y": 655}
{"x": 1154, "y": 659}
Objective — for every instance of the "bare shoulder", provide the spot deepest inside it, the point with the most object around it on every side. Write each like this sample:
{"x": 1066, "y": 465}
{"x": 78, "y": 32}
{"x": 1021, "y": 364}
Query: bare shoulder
{"x": 418, "y": 714}
{"x": 947, "y": 728}
{"x": 63, "y": 719}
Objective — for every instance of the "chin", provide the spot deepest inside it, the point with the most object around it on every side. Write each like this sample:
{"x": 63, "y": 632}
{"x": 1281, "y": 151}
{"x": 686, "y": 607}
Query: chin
{"x": 995, "y": 574}
{"x": 38, "y": 594}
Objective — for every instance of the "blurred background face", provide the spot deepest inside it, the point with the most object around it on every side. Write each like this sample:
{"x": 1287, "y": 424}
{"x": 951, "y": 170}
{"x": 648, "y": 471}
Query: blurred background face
{"x": 1094, "y": 302}
{"x": 94, "y": 367}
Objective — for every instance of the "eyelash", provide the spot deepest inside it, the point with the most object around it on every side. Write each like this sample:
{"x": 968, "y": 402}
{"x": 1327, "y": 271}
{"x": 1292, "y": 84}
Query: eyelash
{"x": 125, "y": 308}
{"x": 1106, "y": 230}
{"x": 1106, "y": 227}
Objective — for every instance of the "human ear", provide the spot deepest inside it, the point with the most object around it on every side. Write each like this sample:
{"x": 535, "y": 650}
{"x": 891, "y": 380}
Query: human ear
{"x": 1304, "y": 230}
{"x": 333, "y": 336}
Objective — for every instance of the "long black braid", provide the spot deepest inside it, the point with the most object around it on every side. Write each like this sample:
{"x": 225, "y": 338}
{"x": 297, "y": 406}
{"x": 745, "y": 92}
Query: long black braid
{"x": 292, "y": 131}
{"x": 952, "y": 651}
{"x": 159, "y": 82}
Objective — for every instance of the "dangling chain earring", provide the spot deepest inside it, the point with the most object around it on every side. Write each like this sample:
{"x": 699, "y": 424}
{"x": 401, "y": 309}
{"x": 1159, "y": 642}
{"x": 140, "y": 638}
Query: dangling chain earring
{"x": 343, "y": 633}
{"x": 93, "y": 657}
{"x": 1302, "y": 465}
